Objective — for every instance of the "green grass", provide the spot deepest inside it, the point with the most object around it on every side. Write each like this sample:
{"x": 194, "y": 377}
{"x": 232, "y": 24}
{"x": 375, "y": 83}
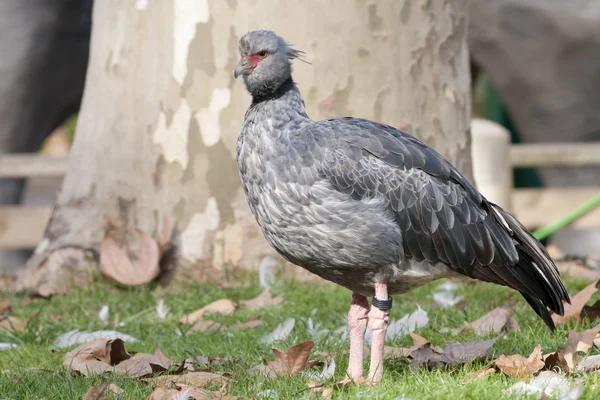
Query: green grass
{"x": 33, "y": 371}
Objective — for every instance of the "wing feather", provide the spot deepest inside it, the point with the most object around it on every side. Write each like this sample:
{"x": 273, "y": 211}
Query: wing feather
{"x": 442, "y": 217}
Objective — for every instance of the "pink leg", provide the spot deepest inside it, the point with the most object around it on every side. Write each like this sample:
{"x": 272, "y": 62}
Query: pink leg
{"x": 357, "y": 322}
{"x": 378, "y": 322}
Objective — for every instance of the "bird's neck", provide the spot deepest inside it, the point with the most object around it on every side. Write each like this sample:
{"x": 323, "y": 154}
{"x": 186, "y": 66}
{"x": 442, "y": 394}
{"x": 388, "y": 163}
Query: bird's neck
{"x": 287, "y": 95}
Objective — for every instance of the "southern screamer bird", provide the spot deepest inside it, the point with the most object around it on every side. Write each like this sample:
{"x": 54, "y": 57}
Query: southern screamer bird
{"x": 370, "y": 207}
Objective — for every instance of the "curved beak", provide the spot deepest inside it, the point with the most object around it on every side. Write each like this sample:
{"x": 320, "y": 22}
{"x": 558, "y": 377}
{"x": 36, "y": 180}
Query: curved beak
{"x": 242, "y": 68}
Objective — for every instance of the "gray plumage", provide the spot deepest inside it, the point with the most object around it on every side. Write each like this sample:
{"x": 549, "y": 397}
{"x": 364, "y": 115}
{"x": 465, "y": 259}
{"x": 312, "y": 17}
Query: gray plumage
{"x": 356, "y": 201}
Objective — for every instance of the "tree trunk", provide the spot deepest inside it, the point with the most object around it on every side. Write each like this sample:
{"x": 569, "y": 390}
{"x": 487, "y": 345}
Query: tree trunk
{"x": 44, "y": 46}
{"x": 153, "y": 163}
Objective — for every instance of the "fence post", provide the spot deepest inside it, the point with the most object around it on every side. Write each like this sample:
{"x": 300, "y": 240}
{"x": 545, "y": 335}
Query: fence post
{"x": 490, "y": 150}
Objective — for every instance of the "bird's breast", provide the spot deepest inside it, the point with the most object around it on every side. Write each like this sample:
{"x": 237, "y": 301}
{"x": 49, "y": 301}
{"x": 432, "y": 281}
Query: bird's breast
{"x": 304, "y": 217}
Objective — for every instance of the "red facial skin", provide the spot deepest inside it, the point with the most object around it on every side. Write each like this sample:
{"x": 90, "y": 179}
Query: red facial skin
{"x": 254, "y": 59}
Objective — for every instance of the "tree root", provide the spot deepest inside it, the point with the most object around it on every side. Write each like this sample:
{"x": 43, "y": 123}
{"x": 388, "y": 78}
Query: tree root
{"x": 56, "y": 271}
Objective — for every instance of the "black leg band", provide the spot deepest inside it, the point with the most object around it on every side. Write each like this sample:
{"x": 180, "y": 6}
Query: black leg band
{"x": 383, "y": 305}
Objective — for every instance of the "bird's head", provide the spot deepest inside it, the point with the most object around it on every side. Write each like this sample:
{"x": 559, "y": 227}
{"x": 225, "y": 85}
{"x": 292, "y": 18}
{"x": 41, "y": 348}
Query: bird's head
{"x": 265, "y": 63}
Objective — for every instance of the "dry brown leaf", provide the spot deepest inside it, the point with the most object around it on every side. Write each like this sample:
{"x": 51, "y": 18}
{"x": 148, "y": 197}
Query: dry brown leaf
{"x": 294, "y": 359}
{"x": 579, "y": 342}
{"x": 512, "y": 325}
{"x": 95, "y": 393}
{"x": 262, "y": 300}
{"x": 11, "y": 324}
{"x": 220, "y": 307}
{"x": 454, "y": 354}
{"x": 206, "y": 326}
{"x": 498, "y": 320}
{"x": 318, "y": 391}
{"x": 591, "y": 312}
{"x": 197, "y": 379}
{"x": 519, "y": 366}
{"x": 597, "y": 341}
{"x": 495, "y": 321}
{"x": 573, "y": 310}
{"x": 248, "y": 324}
{"x": 288, "y": 362}
{"x": 143, "y": 364}
{"x": 556, "y": 361}
{"x": 95, "y": 357}
{"x": 136, "y": 366}
{"x": 393, "y": 352}
{"x": 588, "y": 364}
{"x": 183, "y": 392}
{"x": 115, "y": 389}
{"x": 418, "y": 342}
{"x": 482, "y": 373}
{"x": 5, "y": 307}
{"x": 160, "y": 359}
{"x": 117, "y": 264}
{"x": 163, "y": 393}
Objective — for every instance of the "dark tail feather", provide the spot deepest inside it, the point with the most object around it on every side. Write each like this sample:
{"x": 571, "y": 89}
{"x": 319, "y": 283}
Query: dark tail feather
{"x": 541, "y": 310}
{"x": 539, "y": 282}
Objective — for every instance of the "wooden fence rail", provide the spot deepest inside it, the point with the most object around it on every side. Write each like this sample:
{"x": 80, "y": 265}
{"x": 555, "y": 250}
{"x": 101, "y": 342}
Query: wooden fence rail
{"x": 23, "y": 227}
{"x": 554, "y": 154}
{"x": 31, "y": 165}
{"x": 521, "y": 155}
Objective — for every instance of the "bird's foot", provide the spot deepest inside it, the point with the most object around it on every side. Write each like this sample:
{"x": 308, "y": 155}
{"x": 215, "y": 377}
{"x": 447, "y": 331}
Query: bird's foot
{"x": 372, "y": 382}
{"x": 348, "y": 380}
{"x": 358, "y": 379}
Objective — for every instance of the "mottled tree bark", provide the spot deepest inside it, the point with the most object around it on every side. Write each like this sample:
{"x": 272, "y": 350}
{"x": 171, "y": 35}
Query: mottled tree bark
{"x": 433, "y": 84}
{"x": 155, "y": 145}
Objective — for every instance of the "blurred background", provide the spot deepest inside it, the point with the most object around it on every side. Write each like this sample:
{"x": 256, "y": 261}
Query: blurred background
{"x": 535, "y": 73}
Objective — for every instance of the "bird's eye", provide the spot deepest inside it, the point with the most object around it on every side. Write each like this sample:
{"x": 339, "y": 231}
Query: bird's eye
{"x": 262, "y": 53}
